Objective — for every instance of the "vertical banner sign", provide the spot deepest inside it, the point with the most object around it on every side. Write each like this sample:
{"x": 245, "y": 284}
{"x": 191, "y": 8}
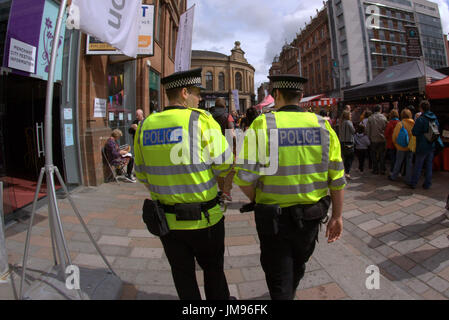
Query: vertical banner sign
{"x": 235, "y": 94}
{"x": 145, "y": 46}
{"x": 115, "y": 22}
{"x": 30, "y": 37}
{"x": 184, "y": 41}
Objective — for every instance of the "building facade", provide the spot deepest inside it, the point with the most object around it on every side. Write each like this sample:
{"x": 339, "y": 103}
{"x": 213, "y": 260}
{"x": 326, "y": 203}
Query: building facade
{"x": 313, "y": 44}
{"x": 222, "y": 74}
{"x": 369, "y": 36}
{"x": 262, "y": 91}
{"x": 86, "y": 80}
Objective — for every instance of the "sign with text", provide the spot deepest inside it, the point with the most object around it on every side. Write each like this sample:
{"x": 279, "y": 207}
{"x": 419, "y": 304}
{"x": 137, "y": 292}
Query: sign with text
{"x": 33, "y": 22}
{"x": 100, "y": 108}
{"x": 413, "y": 43}
{"x": 145, "y": 39}
{"x": 22, "y": 56}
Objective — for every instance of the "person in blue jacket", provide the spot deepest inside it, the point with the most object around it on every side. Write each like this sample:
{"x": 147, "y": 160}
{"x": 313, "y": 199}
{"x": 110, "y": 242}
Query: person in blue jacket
{"x": 425, "y": 150}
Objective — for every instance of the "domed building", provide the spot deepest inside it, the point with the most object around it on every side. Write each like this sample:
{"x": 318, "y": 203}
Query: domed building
{"x": 222, "y": 74}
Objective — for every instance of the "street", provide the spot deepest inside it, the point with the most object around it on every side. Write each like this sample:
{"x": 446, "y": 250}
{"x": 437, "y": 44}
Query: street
{"x": 401, "y": 231}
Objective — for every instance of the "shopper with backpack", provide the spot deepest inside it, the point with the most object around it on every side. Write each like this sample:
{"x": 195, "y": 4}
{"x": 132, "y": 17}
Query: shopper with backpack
{"x": 426, "y": 131}
{"x": 401, "y": 138}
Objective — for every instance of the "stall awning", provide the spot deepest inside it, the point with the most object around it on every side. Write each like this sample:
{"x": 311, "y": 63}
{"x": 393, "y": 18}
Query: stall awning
{"x": 438, "y": 89}
{"x": 266, "y": 102}
{"x": 318, "y": 100}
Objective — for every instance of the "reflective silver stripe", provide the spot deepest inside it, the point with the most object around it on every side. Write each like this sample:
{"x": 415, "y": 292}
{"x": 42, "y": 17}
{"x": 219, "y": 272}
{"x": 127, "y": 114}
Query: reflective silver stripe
{"x": 247, "y": 176}
{"x": 143, "y": 180}
{"x": 189, "y": 188}
{"x": 171, "y": 170}
{"x": 338, "y": 183}
{"x": 271, "y": 125}
{"x": 325, "y": 143}
{"x": 293, "y": 189}
{"x": 336, "y": 165}
{"x": 193, "y": 136}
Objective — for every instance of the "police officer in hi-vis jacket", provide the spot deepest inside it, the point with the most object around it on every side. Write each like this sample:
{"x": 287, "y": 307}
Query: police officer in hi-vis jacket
{"x": 180, "y": 168}
{"x": 292, "y": 201}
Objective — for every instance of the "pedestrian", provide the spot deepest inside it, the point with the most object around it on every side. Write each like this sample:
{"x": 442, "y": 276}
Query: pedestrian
{"x": 403, "y": 152}
{"x": 391, "y": 149}
{"x": 291, "y": 202}
{"x": 361, "y": 143}
{"x": 183, "y": 187}
{"x": 139, "y": 117}
{"x": 119, "y": 157}
{"x": 346, "y": 134}
{"x": 424, "y": 148}
{"x": 375, "y": 129}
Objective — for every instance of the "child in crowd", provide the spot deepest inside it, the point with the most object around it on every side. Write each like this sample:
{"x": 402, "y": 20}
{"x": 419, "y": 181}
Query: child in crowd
{"x": 361, "y": 142}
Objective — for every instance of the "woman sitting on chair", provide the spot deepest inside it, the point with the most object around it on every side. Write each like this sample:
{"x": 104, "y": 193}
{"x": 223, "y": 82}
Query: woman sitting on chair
{"x": 117, "y": 157}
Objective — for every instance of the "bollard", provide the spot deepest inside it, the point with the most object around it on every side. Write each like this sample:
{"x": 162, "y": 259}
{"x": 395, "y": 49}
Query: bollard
{"x": 4, "y": 267}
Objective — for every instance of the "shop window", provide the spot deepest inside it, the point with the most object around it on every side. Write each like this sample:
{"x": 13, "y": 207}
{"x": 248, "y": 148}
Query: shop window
{"x": 209, "y": 81}
{"x": 121, "y": 97}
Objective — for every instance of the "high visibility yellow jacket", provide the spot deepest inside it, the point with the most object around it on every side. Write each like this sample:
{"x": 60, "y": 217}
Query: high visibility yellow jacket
{"x": 178, "y": 154}
{"x": 308, "y": 158}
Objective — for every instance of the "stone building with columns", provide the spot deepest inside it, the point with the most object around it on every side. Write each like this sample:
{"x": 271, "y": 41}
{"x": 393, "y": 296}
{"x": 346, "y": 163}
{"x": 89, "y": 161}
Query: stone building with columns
{"x": 222, "y": 74}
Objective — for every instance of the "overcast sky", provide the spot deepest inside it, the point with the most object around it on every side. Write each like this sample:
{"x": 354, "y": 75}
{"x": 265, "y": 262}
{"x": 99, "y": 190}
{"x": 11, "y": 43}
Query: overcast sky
{"x": 262, "y": 27}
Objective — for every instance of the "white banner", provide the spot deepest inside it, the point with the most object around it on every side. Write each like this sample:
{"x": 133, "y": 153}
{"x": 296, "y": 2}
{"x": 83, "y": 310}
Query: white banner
{"x": 235, "y": 94}
{"x": 113, "y": 21}
{"x": 184, "y": 41}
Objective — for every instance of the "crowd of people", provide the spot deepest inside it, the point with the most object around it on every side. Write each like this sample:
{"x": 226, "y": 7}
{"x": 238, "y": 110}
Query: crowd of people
{"x": 408, "y": 140}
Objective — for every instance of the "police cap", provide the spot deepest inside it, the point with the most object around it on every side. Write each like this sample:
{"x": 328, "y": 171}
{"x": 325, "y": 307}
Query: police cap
{"x": 183, "y": 79}
{"x": 287, "y": 82}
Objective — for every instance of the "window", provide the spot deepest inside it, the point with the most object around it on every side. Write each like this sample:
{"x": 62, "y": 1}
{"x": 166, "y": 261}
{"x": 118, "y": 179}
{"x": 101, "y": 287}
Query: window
{"x": 394, "y": 50}
{"x": 382, "y": 35}
{"x": 221, "y": 82}
{"x": 404, "y": 51}
{"x": 238, "y": 81}
{"x": 157, "y": 34}
{"x": 173, "y": 40}
{"x": 383, "y": 49}
{"x": 209, "y": 81}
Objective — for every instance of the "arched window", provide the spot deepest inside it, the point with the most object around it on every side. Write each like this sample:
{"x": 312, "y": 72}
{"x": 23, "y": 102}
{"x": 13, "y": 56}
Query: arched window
{"x": 221, "y": 82}
{"x": 238, "y": 81}
{"x": 209, "y": 81}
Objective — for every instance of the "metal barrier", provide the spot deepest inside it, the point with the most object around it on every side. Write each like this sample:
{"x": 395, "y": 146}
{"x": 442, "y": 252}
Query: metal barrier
{"x": 4, "y": 266}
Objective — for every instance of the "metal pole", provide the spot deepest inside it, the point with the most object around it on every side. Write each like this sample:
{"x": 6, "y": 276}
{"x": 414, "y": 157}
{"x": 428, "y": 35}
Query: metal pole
{"x": 4, "y": 266}
{"x": 50, "y": 87}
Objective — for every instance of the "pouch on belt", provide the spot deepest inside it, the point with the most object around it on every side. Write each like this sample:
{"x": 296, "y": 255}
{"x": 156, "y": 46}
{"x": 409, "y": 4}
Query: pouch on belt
{"x": 154, "y": 217}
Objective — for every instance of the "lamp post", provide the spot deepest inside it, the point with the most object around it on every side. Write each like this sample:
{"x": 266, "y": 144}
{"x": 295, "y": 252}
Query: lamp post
{"x": 299, "y": 58}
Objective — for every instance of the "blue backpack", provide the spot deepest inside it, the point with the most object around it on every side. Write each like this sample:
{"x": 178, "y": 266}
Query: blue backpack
{"x": 403, "y": 138}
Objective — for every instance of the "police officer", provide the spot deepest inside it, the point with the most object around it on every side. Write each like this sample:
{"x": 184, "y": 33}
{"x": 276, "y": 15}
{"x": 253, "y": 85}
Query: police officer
{"x": 292, "y": 200}
{"x": 180, "y": 169}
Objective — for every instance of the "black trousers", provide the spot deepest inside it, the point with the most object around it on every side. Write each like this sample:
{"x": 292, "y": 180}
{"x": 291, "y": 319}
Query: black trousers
{"x": 284, "y": 256}
{"x": 207, "y": 246}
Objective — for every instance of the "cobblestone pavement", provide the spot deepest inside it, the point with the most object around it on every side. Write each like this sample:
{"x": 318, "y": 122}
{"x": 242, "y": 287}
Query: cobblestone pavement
{"x": 402, "y": 231}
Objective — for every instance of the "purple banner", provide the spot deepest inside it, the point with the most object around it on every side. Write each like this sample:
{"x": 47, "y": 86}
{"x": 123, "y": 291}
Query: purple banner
{"x": 24, "y": 25}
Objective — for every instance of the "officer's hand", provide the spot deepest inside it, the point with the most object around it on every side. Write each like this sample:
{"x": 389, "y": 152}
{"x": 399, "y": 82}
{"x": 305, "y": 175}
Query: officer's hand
{"x": 334, "y": 229}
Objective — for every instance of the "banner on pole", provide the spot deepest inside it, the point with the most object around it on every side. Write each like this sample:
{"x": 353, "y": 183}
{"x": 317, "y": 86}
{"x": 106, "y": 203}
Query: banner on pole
{"x": 235, "y": 94}
{"x": 146, "y": 40}
{"x": 114, "y": 22}
{"x": 183, "y": 54}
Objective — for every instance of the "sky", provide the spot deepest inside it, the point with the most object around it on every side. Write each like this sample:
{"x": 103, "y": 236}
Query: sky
{"x": 262, "y": 27}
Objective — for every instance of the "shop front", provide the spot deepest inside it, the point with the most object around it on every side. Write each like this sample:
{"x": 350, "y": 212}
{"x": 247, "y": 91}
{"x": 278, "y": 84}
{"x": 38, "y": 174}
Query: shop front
{"x": 25, "y": 55}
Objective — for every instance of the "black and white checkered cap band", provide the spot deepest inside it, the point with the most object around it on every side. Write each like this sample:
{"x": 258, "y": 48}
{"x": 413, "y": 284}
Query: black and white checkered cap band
{"x": 181, "y": 83}
{"x": 288, "y": 85}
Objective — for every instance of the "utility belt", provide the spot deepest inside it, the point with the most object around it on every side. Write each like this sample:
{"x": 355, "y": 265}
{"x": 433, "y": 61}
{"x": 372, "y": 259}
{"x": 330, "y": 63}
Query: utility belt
{"x": 268, "y": 216}
{"x": 154, "y": 214}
